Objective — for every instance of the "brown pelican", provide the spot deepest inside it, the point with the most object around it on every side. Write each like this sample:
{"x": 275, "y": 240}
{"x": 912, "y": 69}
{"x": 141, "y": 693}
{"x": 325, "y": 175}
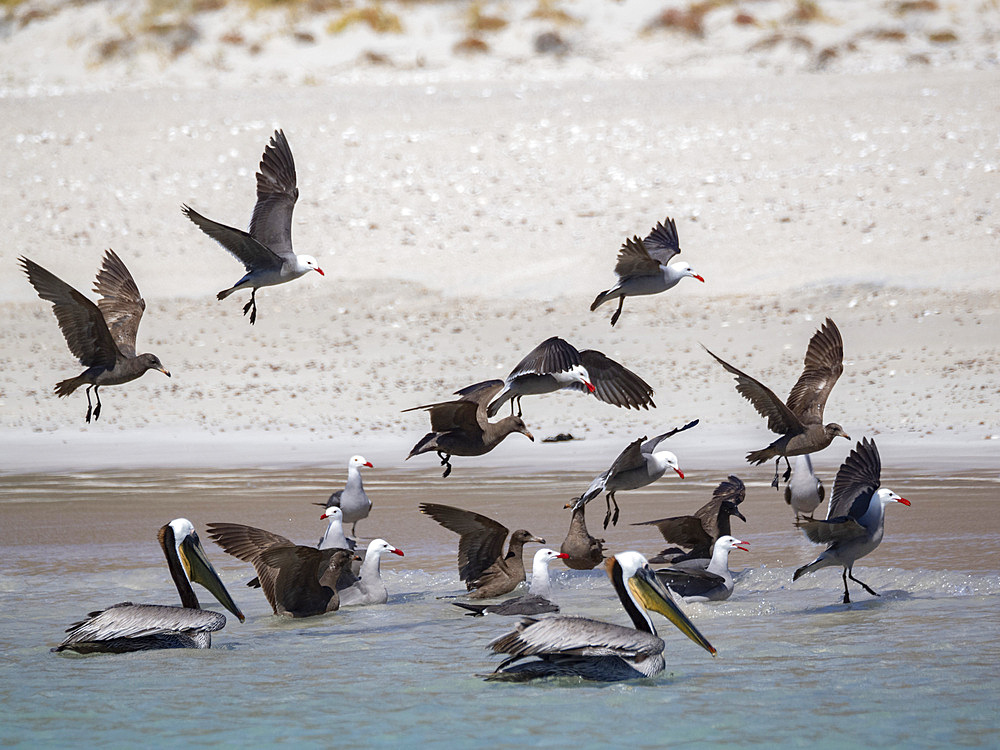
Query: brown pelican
{"x": 799, "y": 420}
{"x": 461, "y": 427}
{"x": 704, "y": 580}
{"x": 698, "y": 533}
{"x": 101, "y": 336}
{"x": 487, "y": 572}
{"x": 594, "y": 650}
{"x": 535, "y": 602}
{"x": 804, "y": 491}
{"x": 353, "y": 500}
{"x": 367, "y": 587}
{"x": 583, "y": 551}
{"x": 644, "y": 267}
{"x": 141, "y": 627}
{"x": 555, "y": 364}
{"x": 266, "y": 250}
{"x": 638, "y": 465}
{"x": 298, "y": 581}
{"x": 855, "y": 519}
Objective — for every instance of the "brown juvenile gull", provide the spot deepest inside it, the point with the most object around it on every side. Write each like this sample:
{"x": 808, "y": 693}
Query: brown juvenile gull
{"x": 855, "y": 520}
{"x": 583, "y": 551}
{"x": 535, "y": 602}
{"x": 799, "y": 420}
{"x": 461, "y": 427}
{"x": 640, "y": 464}
{"x": 644, "y": 267}
{"x": 101, "y": 336}
{"x": 555, "y": 364}
{"x": 486, "y": 570}
{"x": 126, "y": 627}
{"x": 266, "y": 250}
{"x": 698, "y": 533}
{"x": 298, "y": 581}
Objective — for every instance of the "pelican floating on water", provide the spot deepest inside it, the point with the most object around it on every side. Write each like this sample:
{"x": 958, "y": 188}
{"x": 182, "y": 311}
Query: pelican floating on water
{"x": 594, "y": 650}
{"x": 128, "y": 627}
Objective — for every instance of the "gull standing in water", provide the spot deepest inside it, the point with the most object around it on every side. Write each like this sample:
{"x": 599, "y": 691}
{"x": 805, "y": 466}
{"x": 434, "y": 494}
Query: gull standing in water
{"x": 266, "y": 250}
{"x": 535, "y": 602}
{"x": 638, "y": 465}
{"x": 799, "y": 420}
{"x": 101, "y": 336}
{"x": 644, "y": 267}
{"x": 855, "y": 520}
{"x": 704, "y": 580}
{"x": 555, "y": 364}
{"x": 595, "y": 650}
{"x": 142, "y": 627}
{"x": 353, "y": 500}
{"x": 804, "y": 491}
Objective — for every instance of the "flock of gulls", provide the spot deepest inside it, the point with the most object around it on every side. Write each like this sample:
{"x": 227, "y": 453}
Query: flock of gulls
{"x": 304, "y": 581}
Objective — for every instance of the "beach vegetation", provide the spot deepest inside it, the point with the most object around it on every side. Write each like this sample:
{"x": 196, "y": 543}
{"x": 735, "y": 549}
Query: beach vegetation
{"x": 689, "y": 20}
{"x": 549, "y": 10}
{"x": 471, "y": 45}
{"x": 478, "y": 20}
{"x": 375, "y": 16}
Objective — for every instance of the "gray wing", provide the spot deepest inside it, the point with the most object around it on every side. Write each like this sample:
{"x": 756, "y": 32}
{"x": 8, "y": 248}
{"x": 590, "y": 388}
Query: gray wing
{"x": 824, "y": 362}
{"x": 650, "y": 445}
{"x": 80, "y": 320}
{"x": 466, "y": 413}
{"x": 689, "y": 582}
{"x": 577, "y": 636}
{"x": 635, "y": 260}
{"x": 480, "y": 541}
{"x": 687, "y": 531}
{"x": 552, "y": 355}
{"x": 300, "y": 579}
{"x": 252, "y": 254}
{"x": 780, "y": 418}
{"x": 127, "y": 620}
{"x": 614, "y": 383}
{"x": 530, "y": 604}
{"x": 120, "y": 303}
{"x": 662, "y": 242}
{"x": 858, "y": 478}
{"x": 271, "y": 223}
{"x": 829, "y": 531}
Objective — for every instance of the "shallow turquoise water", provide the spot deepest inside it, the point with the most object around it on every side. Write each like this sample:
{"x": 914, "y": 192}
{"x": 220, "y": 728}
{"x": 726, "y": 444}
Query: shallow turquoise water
{"x": 916, "y": 667}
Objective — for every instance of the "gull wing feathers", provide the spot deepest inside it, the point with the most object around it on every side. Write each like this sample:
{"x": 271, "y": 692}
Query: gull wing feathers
{"x": 250, "y": 252}
{"x": 780, "y": 419}
{"x": 824, "y": 363}
{"x": 121, "y": 304}
{"x": 271, "y": 222}
{"x": 635, "y": 260}
{"x": 662, "y": 242}
{"x": 480, "y": 541}
{"x": 613, "y": 383}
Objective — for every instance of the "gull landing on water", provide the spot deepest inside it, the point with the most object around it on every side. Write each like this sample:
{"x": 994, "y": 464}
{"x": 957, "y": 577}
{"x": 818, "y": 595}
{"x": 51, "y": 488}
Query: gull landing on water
{"x": 644, "y": 267}
{"x": 266, "y": 250}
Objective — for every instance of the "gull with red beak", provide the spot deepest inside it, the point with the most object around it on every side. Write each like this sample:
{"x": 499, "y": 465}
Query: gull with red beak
{"x": 855, "y": 520}
{"x": 704, "y": 580}
{"x": 353, "y": 500}
{"x": 638, "y": 465}
{"x": 555, "y": 364}
{"x": 535, "y": 602}
{"x": 266, "y": 250}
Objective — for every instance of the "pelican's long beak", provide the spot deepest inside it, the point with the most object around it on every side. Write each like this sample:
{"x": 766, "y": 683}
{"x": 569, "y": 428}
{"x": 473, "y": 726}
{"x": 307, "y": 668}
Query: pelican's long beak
{"x": 200, "y": 570}
{"x": 654, "y": 596}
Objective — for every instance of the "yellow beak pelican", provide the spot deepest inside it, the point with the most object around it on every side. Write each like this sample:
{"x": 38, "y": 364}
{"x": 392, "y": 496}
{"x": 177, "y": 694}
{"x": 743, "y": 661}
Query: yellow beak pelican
{"x": 128, "y": 627}
{"x": 594, "y": 650}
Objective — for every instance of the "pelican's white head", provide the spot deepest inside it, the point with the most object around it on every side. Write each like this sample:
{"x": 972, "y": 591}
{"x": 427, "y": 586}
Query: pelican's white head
{"x": 308, "y": 263}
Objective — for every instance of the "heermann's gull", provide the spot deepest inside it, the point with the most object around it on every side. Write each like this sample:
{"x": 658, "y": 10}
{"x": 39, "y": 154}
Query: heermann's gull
{"x": 638, "y": 465}
{"x": 799, "y": 421}
{"x": 555, "y": 364}
{"x": 595, "y": 650}
{"x": 298, "y": 581}
{"x": 855, "y": 519}
{"x": 486, "y": 570}
{"x": 644, "y": 267}
{"x": 698, "y": 533}
{"x": 141, "y": 627}
{"x": 367, "y": 587}
{"x": 583, "y": 551}
{"x": 101, "y": 336}
{"x": 804, "y": 491}
{"x": 334, "y": 536}
{"x": 461, "y": 428}
{"x": 266, "y": 250}
{"x": 535, "y": 602}
{"x": 352, "y": 500}
{"x": 704, "y": 580}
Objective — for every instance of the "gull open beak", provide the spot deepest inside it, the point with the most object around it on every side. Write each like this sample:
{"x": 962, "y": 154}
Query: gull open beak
{"x": 654, "y": 596}
{"x": 200, "y": 570}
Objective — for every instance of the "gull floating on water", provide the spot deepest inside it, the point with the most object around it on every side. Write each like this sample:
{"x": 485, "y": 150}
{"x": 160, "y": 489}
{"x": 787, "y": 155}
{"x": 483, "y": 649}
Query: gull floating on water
{"x": 141, "y": 627}
{"x": 555, "y": 364}
{"x": 266, "y": 250}
{"x": 595, "y": 650}
{"x": 644, "y": 267}
{"x": 535, "y": 602}
{"x": 799, "y": 421}
{"x": 101, "y": 336}
{"x": 855, "y": 520}
{"x": 482, "y": 564}
{"x": 638, "y": 465}
{"x": 367, "y": 587}
{"x": 704, "y": 580}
